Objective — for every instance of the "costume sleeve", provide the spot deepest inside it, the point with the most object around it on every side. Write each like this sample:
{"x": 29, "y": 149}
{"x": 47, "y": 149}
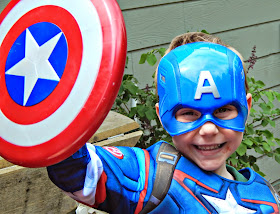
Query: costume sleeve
{"x": 113, "y": 179}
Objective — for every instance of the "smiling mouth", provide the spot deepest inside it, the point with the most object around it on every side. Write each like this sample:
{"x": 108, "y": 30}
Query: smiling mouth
{"x": 209, "y": 147}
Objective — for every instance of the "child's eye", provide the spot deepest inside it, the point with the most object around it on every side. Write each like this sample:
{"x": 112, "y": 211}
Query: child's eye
{"x": 187, "y": 115}
{"x": 226, "y": 112}
{"x": 223, "y": 110}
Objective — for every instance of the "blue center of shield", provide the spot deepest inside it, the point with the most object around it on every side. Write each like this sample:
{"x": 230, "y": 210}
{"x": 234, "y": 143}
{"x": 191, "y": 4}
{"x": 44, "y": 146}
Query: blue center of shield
{"x": 35, "y": 63}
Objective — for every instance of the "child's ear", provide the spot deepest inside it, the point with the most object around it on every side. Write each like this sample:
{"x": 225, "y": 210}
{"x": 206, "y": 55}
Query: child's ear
{"x": 249, "y": 102}
{"x": 157, "y": 111}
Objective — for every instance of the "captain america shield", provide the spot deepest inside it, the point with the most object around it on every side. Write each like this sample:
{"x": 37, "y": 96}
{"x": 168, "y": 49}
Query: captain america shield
{"x": 61, "y": 66}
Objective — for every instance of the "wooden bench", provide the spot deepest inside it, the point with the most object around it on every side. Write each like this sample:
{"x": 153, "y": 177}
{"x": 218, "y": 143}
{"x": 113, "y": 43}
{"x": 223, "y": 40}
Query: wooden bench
{"x": 28, "y": 190}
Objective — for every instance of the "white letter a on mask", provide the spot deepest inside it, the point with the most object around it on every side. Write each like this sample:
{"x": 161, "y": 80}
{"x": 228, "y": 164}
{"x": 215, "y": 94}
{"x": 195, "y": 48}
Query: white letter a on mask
{"x": 212, "y": 88}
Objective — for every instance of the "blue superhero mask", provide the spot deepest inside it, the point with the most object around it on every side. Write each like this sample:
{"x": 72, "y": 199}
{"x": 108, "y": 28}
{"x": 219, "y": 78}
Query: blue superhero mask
{"x": 202, "y": 76}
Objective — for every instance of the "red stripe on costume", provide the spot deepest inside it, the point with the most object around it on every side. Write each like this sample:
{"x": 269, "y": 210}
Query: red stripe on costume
{"x": 273, "y": 205}
{"x": 179, "y": 176}
{"x": 198, "y": 182}
{"x": 144, "y": 191}
{"x": 100, "y": 195}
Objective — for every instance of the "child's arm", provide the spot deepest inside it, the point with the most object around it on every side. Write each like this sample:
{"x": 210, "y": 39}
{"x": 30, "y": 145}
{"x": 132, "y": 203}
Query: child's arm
{"x": 78, "y": 175}
{"x": 114, "y": 179}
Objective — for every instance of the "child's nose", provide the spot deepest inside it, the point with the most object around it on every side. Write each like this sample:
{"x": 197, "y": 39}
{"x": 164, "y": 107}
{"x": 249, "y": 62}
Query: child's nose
{"x": 208, "y": 128}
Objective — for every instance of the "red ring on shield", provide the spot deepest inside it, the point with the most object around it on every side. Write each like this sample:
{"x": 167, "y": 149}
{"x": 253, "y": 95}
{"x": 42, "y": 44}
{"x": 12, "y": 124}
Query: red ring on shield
{"x": 33, "y": 114}
{"x": 97, "y": 105}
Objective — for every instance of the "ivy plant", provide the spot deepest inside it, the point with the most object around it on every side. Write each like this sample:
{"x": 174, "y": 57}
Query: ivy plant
{"x": 258, "y": 135}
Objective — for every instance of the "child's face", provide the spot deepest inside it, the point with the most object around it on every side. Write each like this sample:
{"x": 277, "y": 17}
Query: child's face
{"x": 209, "y": 145}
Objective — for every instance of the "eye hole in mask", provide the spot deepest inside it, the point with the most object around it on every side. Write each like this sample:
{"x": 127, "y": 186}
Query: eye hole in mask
{"x": 187, "y": 115}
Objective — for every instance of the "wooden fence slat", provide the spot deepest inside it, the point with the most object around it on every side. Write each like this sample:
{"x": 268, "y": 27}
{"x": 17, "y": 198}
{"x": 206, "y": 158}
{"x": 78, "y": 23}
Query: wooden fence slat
{"x": 267, "y": 70}
{"x": 151, "y": 26}
{"x": 134, "y": 4}
{"x": 114, "y": 124}
{"x": 266, "y": 37}
{"x": 129, "y": 139}
{"x": 154, "y": 25}
{"x": 25, "y": 190}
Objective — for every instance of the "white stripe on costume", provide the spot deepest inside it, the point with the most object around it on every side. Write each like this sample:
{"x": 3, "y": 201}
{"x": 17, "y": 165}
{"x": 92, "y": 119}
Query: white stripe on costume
{"x": 94, "y": 167}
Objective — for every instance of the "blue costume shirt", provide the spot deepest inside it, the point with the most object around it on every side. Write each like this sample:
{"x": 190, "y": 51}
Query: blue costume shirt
{"x": 120, "y": 180}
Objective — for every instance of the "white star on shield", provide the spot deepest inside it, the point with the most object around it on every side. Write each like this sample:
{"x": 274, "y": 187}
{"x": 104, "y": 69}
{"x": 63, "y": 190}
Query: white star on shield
{"x": 35, "y": 64}
{"x": 227, "y": 206}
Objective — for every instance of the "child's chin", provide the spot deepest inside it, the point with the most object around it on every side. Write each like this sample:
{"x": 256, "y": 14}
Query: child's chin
{"x": 210, "y": 167}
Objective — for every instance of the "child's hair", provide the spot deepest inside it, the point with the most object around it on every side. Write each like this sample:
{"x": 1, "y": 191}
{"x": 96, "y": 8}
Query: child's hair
{"x": 201, "y": 37}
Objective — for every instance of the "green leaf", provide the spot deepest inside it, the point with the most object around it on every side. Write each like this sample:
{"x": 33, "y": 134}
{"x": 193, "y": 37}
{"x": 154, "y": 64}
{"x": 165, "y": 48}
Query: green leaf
{"x": 233, "y": 161}
{"x": 256, "y": 168}
{"x": 265, "y": 122}
{"x": 121, "y": 90}
{"x": 150, "y": 114}
{"x": 259, "y": 150}
{"x": 277, "y": 95}
{"x": 250, "y": 130}
{"x": 132, "y": 112}
{"x": 248, "y": 142}
{"x": 260, "y": 83}
{"x": 131, "y": 87}
{"x": 267, "y": 134}
{"x": 151, "y": 59}
{"x": 162, "y": 51}
{"x": 253, "y": 110}
{"x": 269, "y": 95}
{"x": 271, "y": 143}
{"x": 241, "y": 150}
{"x": 266, "y": 108}
{"x": 278, "y": 142}
{"x": 141, "y": 110}
{"x": 261, "y": 173}
{"x": 277, "y": 157}
{"x": 143, "y": 58}
{"x": 126, "y": 62}
{"x": 272, "y": 123}
{"x": 204, "y": 31}
{"x": 266, "y": 147}
{"x": 253, "y": 80}
{"x": 256, "y": 97}
{"x": 118, "y": 101}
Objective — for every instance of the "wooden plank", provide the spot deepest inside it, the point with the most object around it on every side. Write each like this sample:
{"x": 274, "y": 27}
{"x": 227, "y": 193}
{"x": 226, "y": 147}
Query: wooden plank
{"x": 133, "y": 4}
{"x": 86, "y": 209}
{"x": 265, "y": 37}
{"x": 267, "y": 70}
{"x": 129, "y": 139}
{"x": 114, "y": 124}
{"x": 152, "y": 26}
{"x": 221, "y": 15}
{"x": 4, "y": 163}
{"x": 25, "y": 190}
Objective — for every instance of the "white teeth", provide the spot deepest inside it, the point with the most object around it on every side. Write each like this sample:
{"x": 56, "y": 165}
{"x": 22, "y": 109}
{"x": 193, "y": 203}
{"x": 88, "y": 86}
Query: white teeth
{"x": 212, "y": 147}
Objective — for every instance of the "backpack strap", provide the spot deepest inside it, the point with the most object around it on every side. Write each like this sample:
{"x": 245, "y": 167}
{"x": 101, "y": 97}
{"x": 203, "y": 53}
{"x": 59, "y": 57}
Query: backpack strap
{"x": 167, "y": 159}
{"x": 274, "y": 193}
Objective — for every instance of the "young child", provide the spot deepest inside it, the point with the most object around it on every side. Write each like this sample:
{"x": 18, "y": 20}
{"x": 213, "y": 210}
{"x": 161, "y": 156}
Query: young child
{"x": 204, "y": 106}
